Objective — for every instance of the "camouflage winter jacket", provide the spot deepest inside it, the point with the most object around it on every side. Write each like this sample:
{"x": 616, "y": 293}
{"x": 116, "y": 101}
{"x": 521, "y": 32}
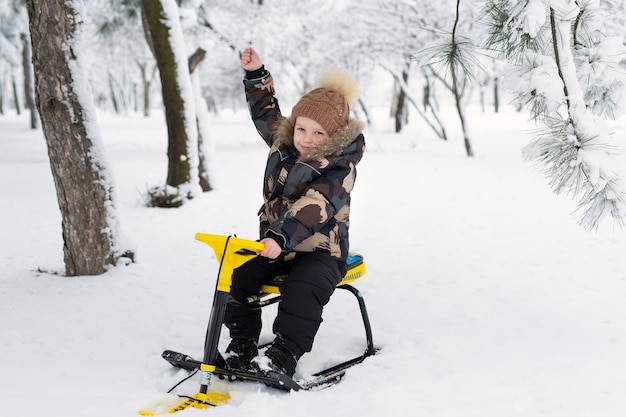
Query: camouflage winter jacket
{"x": 306, "y": 200}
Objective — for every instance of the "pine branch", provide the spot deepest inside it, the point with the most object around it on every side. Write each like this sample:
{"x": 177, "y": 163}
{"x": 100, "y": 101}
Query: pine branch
{"x": 572, "y": 149}
{"x": 573, "y": 166}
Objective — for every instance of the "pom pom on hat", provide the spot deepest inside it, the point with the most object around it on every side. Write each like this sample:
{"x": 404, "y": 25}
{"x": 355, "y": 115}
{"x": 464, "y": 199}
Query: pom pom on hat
{"x": 329, "y": 103}
{"x": 341, "y": 81}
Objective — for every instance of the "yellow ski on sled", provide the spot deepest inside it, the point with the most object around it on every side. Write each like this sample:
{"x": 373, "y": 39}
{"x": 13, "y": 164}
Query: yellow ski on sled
{"x": 231, "y": 252}
{"x": 173, "y": 403}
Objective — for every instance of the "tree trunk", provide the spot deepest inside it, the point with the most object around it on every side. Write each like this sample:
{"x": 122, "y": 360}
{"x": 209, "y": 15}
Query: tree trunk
{"x": 179, "y": 164}
{"x": 145, "y": 82}
{"x": 1, "y": 95}
{"x": 16, "y": 96}
{"x": 29, "y": 87}
{"x": 84, "y": 189}
{"x": 201, "y": 115}
{"x": 426, "y": 93}
{"x": 113, "y": 94}
{"x": 400, "y": 106}
{"x": 135, "y": 99}
{"x": 456, "y": 90}
{"x": 496, "y": 95}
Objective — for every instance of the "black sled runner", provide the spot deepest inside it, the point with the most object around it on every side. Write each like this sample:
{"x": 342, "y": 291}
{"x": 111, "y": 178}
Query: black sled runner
{"x": 232, "y": 252}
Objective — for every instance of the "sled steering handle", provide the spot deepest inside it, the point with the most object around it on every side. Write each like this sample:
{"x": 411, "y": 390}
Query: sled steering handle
{"x": 230, "y": 252}
{"x": 230, "y": 244}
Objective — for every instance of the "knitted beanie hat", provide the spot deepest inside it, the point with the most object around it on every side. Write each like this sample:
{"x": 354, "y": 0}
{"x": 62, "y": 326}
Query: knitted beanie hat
{"x": 329, "y": 103}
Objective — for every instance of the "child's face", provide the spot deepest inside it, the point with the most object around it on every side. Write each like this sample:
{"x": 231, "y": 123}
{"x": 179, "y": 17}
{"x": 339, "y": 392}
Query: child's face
{"x": 307, "y": 133}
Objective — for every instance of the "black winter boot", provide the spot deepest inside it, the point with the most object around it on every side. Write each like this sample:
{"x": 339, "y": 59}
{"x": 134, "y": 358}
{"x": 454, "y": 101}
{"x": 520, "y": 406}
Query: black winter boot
{"x": 281, "y": 359}
{"x": 240, "y": 353}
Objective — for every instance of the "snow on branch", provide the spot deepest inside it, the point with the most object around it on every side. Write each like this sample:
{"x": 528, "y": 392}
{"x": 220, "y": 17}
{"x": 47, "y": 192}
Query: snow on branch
{"x": 582, "y": 166}
{"x": 567, "y": 72}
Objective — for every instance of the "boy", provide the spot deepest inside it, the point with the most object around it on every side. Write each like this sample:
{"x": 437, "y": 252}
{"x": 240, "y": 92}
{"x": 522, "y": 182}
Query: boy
{"x": 304, "y": 220}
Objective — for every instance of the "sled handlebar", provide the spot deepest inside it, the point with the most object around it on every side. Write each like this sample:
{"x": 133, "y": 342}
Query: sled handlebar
{"x": 230, "y": 252}
{"x": 235, "y": 244}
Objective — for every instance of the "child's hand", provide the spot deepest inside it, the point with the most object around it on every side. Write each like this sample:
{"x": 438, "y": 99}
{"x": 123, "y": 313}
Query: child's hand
{"x": 250, "y": 60}
{"x": 271, "y": 250}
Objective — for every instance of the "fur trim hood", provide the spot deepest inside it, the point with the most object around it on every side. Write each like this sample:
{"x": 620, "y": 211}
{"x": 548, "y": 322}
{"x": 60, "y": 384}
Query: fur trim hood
{"x": 336, "y": 143}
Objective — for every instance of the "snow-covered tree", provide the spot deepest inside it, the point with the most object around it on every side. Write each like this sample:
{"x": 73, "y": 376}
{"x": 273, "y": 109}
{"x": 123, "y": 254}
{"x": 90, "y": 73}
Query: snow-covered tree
{"x": 15, "y": 52}
{"x": 391, "y": 32}
{"x": 29, "y": 81}
{"x": 119, "y": 38}
{"x": 566, "y": 71}
{"x": 9, "y": 61}
{"x": 166, "y": 37}
{"x": 84, "y": 187}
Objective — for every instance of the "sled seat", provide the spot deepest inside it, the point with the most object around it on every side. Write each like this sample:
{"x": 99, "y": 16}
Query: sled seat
{"x": 356, "y": 269}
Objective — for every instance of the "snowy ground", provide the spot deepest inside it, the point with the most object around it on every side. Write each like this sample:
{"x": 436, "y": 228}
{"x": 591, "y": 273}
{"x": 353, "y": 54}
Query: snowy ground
{"x": 486, "y": 297}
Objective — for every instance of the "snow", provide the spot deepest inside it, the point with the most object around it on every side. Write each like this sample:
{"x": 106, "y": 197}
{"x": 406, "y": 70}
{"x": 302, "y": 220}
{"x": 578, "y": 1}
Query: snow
{"x": 534, "y": 17}
{"x": 485, "y": 296}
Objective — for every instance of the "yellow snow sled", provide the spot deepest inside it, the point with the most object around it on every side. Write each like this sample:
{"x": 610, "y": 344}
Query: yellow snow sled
{"x": 231, "y": 252}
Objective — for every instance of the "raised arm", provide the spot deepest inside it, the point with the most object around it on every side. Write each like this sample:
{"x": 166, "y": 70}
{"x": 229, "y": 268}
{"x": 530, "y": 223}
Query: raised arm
{"x": 259, "y": 88}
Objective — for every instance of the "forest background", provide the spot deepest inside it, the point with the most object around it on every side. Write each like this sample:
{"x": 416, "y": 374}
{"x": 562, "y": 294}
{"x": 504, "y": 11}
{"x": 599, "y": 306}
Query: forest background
{"x": 562, "y": 60}
{"x": 512, "y": 310}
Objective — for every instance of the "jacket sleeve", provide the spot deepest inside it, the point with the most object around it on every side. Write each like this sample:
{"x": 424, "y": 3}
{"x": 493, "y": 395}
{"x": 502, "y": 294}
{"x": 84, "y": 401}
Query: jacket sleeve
{"x": 262, "y": 103}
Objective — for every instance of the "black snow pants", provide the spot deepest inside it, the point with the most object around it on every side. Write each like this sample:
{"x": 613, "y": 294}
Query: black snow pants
{"x": 311, "y": 280}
